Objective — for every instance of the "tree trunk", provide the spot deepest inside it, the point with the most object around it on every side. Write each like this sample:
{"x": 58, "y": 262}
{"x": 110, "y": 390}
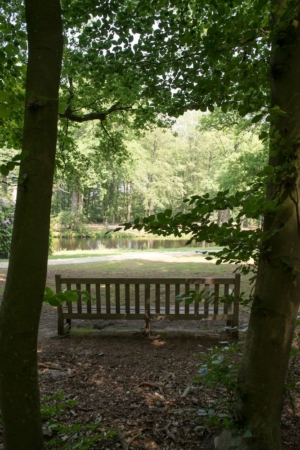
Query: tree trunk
{"x": 23, "y": 295}
{"x": 80, "y": 203}
{"x": 220, "y": 218}
{"x": 4, "y": 184}
{"x": 74, "y": 204}
{"x": 129, "y": 205}
{"x": 277, "y": 294}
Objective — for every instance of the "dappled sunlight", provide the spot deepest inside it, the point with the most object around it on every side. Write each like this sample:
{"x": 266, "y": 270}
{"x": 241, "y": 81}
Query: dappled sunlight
{"x": 158, "y": 343}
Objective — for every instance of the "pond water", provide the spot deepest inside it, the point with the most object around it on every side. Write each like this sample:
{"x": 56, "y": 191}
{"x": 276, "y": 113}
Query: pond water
{"x": 136, "y": 244}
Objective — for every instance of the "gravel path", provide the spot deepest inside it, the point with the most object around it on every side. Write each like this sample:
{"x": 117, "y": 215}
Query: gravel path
{"x": 153, "y": 256}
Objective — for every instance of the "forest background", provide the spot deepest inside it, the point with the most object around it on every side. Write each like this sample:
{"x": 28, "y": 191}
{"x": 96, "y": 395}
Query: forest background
{"x": 103, "y": 180}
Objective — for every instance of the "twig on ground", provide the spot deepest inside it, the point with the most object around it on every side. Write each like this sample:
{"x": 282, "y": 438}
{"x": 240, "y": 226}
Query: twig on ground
{"x": 122, "y": 440}
{"x": 126, "y": 445}
{"x": 187, "y": 391}
{"x": 50, "y": 365}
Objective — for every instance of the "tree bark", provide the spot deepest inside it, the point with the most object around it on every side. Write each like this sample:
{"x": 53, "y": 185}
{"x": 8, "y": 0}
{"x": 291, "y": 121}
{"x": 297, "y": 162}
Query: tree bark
{"x": 23, "y": 295}
{"x": 277, "y": 294}
{"x": 74, "y": 203}
{"x": 80, "y": 203}
{"x": 220, "y": 217}
{"x": 129, "y": 205}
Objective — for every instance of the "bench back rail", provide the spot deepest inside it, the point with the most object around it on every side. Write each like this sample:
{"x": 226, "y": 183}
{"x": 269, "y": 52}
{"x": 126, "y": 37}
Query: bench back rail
{"x": 150, "y": 298}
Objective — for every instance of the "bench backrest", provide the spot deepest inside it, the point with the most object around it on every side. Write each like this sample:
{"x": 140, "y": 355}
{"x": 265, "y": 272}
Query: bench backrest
{"x": 136, "y": 297}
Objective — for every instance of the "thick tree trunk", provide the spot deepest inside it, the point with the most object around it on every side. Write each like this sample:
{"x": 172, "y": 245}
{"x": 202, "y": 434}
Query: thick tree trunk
{"x": 23, "y": 295}
{"x": 80, "y": 203}
{"x": 277, "y": 295}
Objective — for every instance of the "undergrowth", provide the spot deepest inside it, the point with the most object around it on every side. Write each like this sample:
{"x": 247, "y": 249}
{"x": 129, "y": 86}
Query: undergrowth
{"x": 59, "y": 434}
{"x": 218, "y": 375}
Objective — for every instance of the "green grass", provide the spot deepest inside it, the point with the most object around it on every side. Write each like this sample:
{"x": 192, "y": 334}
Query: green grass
{"x": 62, "y": 254}
{"x": 81, "y": 331}
{"x": 65, "y": 254}
{"x": 184, "y": 267}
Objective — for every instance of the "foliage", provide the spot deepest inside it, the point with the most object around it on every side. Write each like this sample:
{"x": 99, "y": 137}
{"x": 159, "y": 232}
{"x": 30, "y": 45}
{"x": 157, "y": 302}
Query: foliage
{"x": 68, "y": 437}
{"x": 65, "y": 296}
{"x": 218, "y": 373}
{"x": 70, "y": 222}
{"x": 162, "y": 168}
{"x": 6, "y": 226}
{"x": 239, "y": 245}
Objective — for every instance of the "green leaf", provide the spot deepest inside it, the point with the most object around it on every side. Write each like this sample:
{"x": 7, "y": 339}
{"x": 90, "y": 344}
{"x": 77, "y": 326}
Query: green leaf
{"x": 48, "y": 292}
{"x": 4, "y": 170}
{"x": 4, "y": 111}
{"x": 247, "y": 434}
{"x": 11, "y": 50}
{"x": 11, "y": 165}
{"x": 257, "y": 118}
{"x": 62, "y": 106}
{"x": 53, "y": 301}
{"x": 71, "y": 296}
{"x": 4, "y": 96}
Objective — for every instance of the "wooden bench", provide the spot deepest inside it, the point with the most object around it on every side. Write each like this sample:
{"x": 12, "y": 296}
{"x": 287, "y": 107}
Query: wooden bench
{"x": 150, "y": 298}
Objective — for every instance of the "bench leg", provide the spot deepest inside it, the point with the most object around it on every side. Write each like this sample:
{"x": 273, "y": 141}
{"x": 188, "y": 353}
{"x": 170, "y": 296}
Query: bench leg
{"x": 235, "y": 333}
{"x": 232, "y": 328}
{"x": 60, "y": 326}
{"x": 68, "y": 323}
{"x": 147, "y": 326}
{"x": 229, "y": 323}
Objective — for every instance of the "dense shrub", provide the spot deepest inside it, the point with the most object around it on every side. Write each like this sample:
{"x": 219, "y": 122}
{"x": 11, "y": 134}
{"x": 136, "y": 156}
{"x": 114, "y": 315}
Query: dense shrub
{"x": 7, "y": 210}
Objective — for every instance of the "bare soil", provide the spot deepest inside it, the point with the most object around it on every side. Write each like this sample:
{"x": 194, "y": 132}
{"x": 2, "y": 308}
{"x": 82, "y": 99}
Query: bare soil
{"x": 138, "y": 386}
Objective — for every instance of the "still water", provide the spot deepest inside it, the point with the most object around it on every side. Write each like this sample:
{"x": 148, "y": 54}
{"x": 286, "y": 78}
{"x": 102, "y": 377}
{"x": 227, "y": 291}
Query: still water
{"x": 136, "y": 244}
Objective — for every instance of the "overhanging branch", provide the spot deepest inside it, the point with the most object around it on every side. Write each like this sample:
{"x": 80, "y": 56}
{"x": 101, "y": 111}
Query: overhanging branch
{"x": 68, "y": 114}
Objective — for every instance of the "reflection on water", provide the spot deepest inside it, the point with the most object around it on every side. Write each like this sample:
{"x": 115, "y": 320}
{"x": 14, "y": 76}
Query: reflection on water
{"x": 135, "y": 244}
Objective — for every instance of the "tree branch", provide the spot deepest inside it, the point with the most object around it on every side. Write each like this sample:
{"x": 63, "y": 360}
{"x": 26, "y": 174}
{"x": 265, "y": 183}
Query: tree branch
{"x": 68, "y": 114}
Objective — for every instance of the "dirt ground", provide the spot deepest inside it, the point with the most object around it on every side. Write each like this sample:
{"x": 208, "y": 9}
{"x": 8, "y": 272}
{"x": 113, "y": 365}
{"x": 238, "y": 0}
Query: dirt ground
{"x": 137, "y": 386}
{"x": 143, "y": 389}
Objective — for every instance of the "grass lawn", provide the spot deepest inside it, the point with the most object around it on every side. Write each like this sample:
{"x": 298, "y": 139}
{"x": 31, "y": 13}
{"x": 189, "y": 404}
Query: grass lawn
{"x": 145, "y": 268}
{"x": 194, "y": 265}
{"x": 114, "y": 251}
{"x": 65, "y": 254}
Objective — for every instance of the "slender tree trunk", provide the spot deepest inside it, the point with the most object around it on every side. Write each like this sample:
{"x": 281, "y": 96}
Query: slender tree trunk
{"x": 277, "y": 295}
{"x": 74, "y": 204}
{"x": 220, "y": 217}
{"x": 23, "y": 295}
{"x": 4, "y": 184}
{"x": 129, "y": 205}
{"x": 150, "y": 213}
